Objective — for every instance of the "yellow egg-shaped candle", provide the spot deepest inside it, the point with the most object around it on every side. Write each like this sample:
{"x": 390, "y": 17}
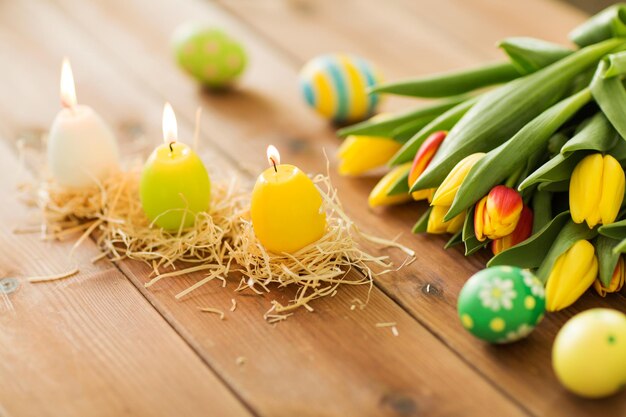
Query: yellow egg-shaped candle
{"x": 175, "y": 185}
{"x": 286, "y": 208}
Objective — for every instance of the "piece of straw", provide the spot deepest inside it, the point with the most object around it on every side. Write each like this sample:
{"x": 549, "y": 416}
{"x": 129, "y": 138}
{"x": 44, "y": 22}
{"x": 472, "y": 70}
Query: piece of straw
{"x": 212, "y": 310}
{"x": 388, "y": 324}
{"x": 54, "y": 277}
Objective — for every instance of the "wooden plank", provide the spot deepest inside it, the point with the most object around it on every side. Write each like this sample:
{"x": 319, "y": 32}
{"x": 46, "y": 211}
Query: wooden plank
{"x": 411, "y": 37}
{"x": 268, "y": 100}
{"x": 334, "y": 362}
{"x": 89, "y": 345}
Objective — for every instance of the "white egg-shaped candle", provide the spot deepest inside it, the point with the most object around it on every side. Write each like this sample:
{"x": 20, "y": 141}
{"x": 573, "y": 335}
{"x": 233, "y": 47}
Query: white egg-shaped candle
{"x": 81, "y": 147}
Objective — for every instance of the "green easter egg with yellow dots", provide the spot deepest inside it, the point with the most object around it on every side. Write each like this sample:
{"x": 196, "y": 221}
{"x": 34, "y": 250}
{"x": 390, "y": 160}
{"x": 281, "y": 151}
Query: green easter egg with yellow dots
{"x": 502, "y": 304}
{"x": 209, "y": 55}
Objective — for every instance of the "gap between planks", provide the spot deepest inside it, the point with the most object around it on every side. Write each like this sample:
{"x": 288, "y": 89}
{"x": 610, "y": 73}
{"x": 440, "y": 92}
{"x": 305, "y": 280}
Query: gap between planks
{"x": 228, "y": 156}
{"x": 295, "y": 65}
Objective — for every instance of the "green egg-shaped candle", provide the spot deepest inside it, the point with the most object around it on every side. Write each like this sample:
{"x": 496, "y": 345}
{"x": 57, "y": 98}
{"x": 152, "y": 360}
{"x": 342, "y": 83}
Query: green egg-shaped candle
{"x": 501, "y": 304}
{"x": 209, "y": 55}
{"x": 175, "y": 185}
{"x": 336, "y": 86}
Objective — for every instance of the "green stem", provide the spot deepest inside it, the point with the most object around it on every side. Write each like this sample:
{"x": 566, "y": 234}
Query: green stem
{"x": 452, "y": 83}
{"x": 512, "y": 180}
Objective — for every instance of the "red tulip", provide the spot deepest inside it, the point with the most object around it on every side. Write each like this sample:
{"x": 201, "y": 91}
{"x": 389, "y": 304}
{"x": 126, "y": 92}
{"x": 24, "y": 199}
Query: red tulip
{"x": 522, "y": 231}
{"x": 423, "y": 157}
{"x": 497, "y": 214}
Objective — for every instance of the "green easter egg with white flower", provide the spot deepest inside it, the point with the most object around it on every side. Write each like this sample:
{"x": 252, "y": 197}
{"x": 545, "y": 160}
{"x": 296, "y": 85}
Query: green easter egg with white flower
{"x": 209, "y": 55}
{"x": 502, "y": 304}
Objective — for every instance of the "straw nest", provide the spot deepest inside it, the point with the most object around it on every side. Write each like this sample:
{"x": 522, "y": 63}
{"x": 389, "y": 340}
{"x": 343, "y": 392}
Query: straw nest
{"x": 221, "y": 244}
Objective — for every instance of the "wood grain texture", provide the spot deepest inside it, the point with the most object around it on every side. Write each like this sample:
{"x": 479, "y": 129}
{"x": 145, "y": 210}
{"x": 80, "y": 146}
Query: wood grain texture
{"x": 268, "y": 100}
{"x": 476, "y": 27}
{"x": 333, "y": 362}
{"x": 89, "y": 344}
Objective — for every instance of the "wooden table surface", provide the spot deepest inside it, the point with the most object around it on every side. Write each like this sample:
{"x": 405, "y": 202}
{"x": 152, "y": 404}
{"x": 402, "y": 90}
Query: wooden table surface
{"x": 100, "y": 344}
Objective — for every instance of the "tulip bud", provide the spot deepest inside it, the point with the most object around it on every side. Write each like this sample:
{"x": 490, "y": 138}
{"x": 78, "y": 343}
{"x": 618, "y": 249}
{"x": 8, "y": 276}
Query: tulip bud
{"x": 617, "y": 280}
{"x": 522, "y": 231}
{"x": 444, "y": 196}
{"x": 572, "y": 274}
{"x": 358, "y": 154}
{"x": 596, "y": 190}
{"x": 436, "y": 225}
{"x": 497, "y": 214}
{"x": 379, "y": 195}
{"x": 422, "y": 159}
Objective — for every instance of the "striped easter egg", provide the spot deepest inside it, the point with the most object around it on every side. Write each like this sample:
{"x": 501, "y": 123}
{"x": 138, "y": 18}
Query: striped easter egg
{"x": 336, "y": 86}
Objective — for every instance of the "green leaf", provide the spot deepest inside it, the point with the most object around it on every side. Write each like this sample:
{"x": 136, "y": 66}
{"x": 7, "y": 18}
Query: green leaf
{"x": 617, "y": 65}
{"x": 401, "y": 186}
{"x": 501, "y": 113}
{"x": 531, "y": 252}
{"x": 556, "y": 142}
{"x": 610, "y": 95}
{"x": 406, "y": 131}
{"x": 607, "y": 258}
{"x": 444, "y": 122}
{"x": 570, "y": 234}
{"x": 542, "y": 210}
{"x": 530, "y": 54}
{"x": 609, "y": 23}
{"x": 472, "y": 244}
{"x": 619, "y": 151}
{"x": 422, "y": 223}
{"x": 556, "y": 169}
{"x": 621, "y": 247}
{"x": 615, "y": 230}
{"x": 456, "y": 239}
{"x": 452, "y": 83}
{"x": 377, "y": 126}
{"x": 529, "y": 166}
{"x": 554, "y": 187}
{"x": 501, "y": 162}
{"x": 597, "y": 135}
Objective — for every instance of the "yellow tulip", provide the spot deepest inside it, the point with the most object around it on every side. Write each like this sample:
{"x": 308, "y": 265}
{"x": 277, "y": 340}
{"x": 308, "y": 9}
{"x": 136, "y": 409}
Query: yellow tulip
{"x": 617, "y": 280}
{"x": 436, "y": 225}
{"x": 379, "y": 197}
{"x": 358, "y": 154}
{"x": 444, "y": 196}
{"x": 596, "y": 190}
{"x": 572, "y": 274}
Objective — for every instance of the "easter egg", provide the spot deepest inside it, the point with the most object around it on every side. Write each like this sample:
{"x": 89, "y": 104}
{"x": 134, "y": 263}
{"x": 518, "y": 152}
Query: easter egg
{"x": 589, "y": 353}
{"x": 501, "y": 304}
{"x": 209, "y": 55}
{"x": 336, "y": 87}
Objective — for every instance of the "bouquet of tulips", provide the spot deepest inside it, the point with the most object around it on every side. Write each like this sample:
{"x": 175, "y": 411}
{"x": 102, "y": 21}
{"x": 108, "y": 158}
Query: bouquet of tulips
{"x": 525, "y": 157}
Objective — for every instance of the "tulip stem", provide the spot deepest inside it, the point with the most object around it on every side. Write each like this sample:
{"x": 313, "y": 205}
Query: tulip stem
{"x": 511, "y": 182}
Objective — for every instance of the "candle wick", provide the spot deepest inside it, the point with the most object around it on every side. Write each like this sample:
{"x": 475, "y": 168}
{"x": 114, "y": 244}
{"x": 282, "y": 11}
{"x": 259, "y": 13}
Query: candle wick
{"x": 68, "y": 106}
{"x": 274, "y": 163}
{"x": 171, "y": 148}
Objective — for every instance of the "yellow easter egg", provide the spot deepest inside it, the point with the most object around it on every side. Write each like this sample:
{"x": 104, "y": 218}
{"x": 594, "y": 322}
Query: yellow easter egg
{"x": 589, "y": 353}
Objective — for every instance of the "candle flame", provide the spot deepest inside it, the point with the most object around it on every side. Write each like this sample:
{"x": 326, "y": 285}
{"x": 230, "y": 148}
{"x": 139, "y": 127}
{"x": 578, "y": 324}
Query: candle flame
{"x": 68, "y": 91}
{"x": 273, "y": 156}
{"x": 170, "y": 128}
